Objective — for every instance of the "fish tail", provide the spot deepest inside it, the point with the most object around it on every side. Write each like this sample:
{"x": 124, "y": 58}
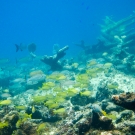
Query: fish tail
{"x": 17, "y": 47}
{"x": 104, "y": 113}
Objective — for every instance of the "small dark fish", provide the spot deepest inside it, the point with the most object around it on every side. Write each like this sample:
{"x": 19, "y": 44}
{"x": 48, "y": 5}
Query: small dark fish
{"x": 20, "y": 47}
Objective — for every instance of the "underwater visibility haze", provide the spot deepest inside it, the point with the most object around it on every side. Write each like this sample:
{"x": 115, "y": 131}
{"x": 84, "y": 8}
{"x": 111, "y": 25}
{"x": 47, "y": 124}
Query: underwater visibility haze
{"x": 67, "y": 67}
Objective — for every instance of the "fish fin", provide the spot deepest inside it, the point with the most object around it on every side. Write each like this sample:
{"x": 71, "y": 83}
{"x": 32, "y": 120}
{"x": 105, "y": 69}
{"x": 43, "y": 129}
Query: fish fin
{"x": 17, "y": 47}
{"x": 104, "y": 113}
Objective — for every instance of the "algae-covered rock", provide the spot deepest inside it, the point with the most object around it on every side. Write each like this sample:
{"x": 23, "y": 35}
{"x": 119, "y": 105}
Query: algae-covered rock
{"x": 101, "y": 122}
{"x": 126, "y": 100}
{"x": 83, "y": 125}
{"x": 7, "y": 123}
{"x": 124, "y": 115}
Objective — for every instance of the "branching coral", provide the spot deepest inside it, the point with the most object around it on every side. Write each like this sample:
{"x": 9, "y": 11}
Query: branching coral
{"x": 53, "y": 61}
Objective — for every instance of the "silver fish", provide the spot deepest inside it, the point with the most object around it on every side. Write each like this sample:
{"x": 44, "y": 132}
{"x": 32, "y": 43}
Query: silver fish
{"x": 20, "y": 47}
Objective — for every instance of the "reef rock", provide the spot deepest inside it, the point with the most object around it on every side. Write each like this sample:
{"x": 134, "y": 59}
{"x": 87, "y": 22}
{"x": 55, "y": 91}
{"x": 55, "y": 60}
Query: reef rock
{"x": 126, "y": 100}
{"x": 53, "y": 61}
{"x": 101, "y": 122}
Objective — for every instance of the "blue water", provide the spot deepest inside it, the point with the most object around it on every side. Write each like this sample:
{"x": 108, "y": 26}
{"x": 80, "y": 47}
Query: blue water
{"x": 47, "y": 22}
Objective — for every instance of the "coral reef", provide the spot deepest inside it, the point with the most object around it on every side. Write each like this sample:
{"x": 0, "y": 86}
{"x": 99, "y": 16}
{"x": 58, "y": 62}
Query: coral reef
{"x": 95, "y": 95}
{"x": 126, "y": 100}
{"x": 53, "y": 61}
{"x": 101, "y": 122}
{"x": 115, "y": 44}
